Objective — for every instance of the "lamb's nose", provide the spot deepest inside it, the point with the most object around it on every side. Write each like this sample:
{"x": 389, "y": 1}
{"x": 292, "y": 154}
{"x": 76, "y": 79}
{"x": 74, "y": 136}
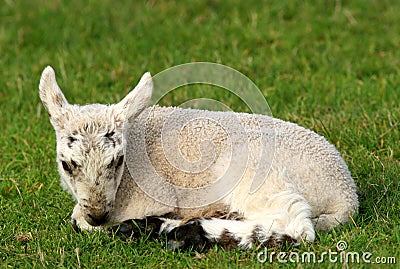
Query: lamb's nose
{"x": 97, "y": 219}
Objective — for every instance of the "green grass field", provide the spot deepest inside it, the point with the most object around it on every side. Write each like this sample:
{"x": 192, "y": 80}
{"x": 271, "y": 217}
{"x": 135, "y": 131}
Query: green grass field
{"x": 331, "y": 66}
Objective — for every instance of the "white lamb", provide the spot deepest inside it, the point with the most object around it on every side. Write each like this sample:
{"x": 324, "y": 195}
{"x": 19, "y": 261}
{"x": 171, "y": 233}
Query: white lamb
{"x": 306, "y": 183}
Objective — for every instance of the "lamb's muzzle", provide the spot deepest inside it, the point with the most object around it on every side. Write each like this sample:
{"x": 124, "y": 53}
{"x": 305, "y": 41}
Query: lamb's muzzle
{"x": 97, "y": 218}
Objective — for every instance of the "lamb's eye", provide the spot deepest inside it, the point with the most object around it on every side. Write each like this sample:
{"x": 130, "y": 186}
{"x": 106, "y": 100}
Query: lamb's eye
{"x": 120, "y": 161}
{"x": 109, "y": 134}
{"x": 66, "y": 167}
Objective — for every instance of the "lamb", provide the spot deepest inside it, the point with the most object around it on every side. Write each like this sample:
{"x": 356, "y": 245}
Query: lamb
{"x": 110, "y": 157}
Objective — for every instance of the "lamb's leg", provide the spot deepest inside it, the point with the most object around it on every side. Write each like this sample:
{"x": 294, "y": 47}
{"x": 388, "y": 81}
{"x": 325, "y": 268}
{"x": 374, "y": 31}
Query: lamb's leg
{"x": 152, "y": 227}
{"x": 340, "y": 213}
{"x": 285, "y": 218}
{"x": 200, "y": 234}
{"x": 295, "y": 215}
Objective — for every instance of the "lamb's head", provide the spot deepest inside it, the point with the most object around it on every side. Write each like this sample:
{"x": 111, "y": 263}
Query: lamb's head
{"x": 90, "y": 144}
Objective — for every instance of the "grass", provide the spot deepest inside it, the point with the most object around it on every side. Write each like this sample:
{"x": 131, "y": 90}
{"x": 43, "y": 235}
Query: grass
{"x": 331, "y": 66}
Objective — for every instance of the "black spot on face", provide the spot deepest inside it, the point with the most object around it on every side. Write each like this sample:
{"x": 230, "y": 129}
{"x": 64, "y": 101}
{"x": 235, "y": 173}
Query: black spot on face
{"x": 110, "y": 137}
{"x": 74, "y": 164}
{"x": 109, "y": 134}
{"x": 120, "y": 161}
{"x": 68, "y": 167}
{"x": 71, "y": 140}
{"x": 110, "y": 165}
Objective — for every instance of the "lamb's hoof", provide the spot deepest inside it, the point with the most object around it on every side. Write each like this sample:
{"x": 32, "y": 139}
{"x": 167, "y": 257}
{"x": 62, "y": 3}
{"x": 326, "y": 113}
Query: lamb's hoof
{"x": 190, "y": 236}
{"x": 135, "y": 228}
{"x": 75, "y": 226}
{"x": 127, "y": 229}
{"x": 279, "y": 241}
{"x": 174, "y": 245}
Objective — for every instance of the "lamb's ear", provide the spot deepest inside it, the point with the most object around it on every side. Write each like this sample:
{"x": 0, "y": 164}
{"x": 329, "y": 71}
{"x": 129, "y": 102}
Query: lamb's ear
{"x": 136, "y": 101}
{"x": 52, "y": 98}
